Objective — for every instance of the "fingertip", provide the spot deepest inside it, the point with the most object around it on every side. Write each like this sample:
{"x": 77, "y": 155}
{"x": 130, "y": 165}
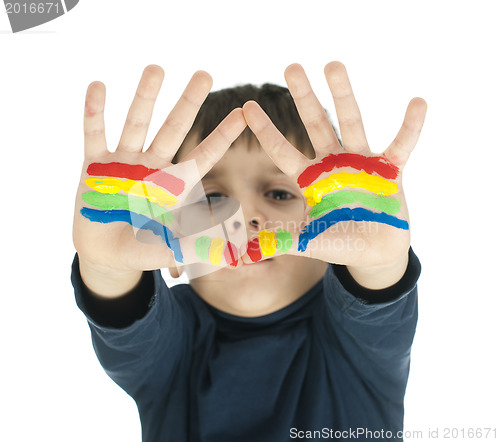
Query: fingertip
{"x": 155, "y": 70}
{"x": 237, "y": 110}
{"x": 238, "y": 117}
{"x": 295, "y": 77}
{"x": 254, "y": 115}
{"x": 96, "y": 87}
{"x": 95, "y": 98}
{"x": 205, "y": 77}
{"x": 417, "y": 110}
{"x": 419, "y": 103}
{"x": 334, "y": 68}
{"x": 293, "y": 68}
{"x": 250, "y": 107}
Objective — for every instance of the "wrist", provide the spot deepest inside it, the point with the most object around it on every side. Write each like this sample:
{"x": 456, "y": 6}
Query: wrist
{"x": 381, "y": 276}
{"x": 107, "y": 282}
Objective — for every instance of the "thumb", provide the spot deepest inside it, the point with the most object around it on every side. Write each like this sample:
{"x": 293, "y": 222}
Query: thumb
{"x": 176, "y": 272}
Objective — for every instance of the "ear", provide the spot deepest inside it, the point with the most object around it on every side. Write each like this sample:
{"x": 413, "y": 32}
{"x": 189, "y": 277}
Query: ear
{"x": 176, "y": 272}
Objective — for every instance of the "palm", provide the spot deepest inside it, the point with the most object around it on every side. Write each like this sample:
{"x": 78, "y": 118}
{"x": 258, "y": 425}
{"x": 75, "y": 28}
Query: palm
{"x": 360, "y": 243}
{"x": 114, "y": 244}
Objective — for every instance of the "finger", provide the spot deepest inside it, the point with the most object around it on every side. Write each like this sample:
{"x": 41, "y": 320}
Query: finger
{"x": 317, "y": 125}
{"x": 406, "y": 139}
{"x": 350, "y": 123}
{"x": 175, "y": 272}
{"x": 140, "y": 112}
{"x": 182, "y": 116}
{"x": 286, "y": 157}
{"x": 212, "y": 148}
{"x": 93, "y": 120}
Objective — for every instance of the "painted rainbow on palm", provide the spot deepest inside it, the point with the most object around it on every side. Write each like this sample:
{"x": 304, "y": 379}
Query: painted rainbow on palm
{"x": 327, "y": 195}
{"x": 146, "y": 194}
{"x": 142, "y": 197}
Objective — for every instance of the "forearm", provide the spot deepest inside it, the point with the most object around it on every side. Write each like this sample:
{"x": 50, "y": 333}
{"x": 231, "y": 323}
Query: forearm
{"x": 108, "y": 283}
{"x": 380, "y": 277}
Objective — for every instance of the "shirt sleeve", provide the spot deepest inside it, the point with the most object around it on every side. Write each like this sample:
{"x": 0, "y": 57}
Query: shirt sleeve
{"x": 375, "y": 328}
{"x": 130, "y": 335}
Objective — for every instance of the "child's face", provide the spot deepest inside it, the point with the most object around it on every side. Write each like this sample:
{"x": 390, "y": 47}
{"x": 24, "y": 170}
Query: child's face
{"x": 269, "y": 200}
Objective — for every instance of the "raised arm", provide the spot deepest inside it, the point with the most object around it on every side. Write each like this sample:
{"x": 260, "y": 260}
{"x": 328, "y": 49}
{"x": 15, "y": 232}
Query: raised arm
{"x": 356, "y": 213}
{"x": 133, "y": 188}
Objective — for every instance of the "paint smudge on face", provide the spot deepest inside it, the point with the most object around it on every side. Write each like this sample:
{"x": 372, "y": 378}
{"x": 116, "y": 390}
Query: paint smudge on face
{"x": 113, "y": 186}
{"x": 138, "y": 172}
{"x": 374, "y": 184}
{"x": 138, "y": 221}
{"x": 319, "y": 225}
{"x": 130, "y": 203}
{"x": 343, "y": 197}
{"x": 377, "y": 164}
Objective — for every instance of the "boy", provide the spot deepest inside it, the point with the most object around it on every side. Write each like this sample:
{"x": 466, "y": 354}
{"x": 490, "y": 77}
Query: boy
{"x": 303, "y": 337}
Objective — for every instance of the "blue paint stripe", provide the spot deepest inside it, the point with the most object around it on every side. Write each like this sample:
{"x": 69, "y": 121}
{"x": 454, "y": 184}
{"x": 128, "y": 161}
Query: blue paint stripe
{"x": 136, "y": 220}
{"x": 319, "y": 225}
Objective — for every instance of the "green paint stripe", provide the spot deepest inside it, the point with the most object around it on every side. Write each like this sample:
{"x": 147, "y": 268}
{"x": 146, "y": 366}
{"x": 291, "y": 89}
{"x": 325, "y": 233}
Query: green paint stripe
{"x": 284, "y": 241}
{"x": 334, "y": 200}
{"x": 202, "y": 246}
{"x": 128, "y": 202}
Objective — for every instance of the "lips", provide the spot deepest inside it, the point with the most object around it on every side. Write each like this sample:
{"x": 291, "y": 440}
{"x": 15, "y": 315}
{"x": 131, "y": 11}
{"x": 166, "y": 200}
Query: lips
{"x": 264, "y": 261}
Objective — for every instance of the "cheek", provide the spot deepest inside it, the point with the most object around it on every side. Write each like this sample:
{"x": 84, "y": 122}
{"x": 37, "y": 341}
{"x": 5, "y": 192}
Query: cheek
{"x": 291, "y": 217}
{"x": 294, "y": 210}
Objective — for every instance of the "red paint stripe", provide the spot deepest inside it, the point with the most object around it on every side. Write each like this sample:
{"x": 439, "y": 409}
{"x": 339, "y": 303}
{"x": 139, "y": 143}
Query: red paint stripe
{"x": 138, "y": 172}
{"x": 231, "y": 254}
{"x": 253, "y": 250}
{"x": 377, "y": 164}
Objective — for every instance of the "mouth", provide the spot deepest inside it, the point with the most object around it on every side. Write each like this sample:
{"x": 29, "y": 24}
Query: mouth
{"x": 257, "y": 263}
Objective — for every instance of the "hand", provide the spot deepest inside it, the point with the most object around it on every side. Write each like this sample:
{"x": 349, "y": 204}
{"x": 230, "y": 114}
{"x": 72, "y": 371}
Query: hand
{"x": 355, "y": 212}
{"x": 108, "y": 245}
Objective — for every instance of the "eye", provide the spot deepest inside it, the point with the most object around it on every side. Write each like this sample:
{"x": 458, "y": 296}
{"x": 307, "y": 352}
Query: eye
{"x": 215, "y": 198}
{"x": 280, "y": 195}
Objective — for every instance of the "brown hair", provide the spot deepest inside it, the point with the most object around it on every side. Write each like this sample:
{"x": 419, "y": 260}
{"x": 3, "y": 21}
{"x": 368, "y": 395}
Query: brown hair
{"x": 275, "y": 100}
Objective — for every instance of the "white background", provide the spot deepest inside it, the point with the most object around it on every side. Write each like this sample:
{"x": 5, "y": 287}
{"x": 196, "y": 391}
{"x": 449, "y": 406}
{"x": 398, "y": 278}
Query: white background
{"x": 52, "y": 386}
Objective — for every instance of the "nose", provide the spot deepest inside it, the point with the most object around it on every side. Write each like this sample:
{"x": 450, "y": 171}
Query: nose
{"x": 254, "y": 222}
{"x": 257, "y": 222}
{"x": 254, "y": 211}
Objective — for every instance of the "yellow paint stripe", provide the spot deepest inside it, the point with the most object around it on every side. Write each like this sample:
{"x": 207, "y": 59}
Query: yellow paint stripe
{"x": 375, "y": 184}
{"x": 267, "y": 242}
{"x": 215, "y": 252}
{"x": 140, "y": 189}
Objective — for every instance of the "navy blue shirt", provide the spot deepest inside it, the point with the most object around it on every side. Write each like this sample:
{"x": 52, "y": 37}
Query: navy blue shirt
{"x": 331, "y": 365}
